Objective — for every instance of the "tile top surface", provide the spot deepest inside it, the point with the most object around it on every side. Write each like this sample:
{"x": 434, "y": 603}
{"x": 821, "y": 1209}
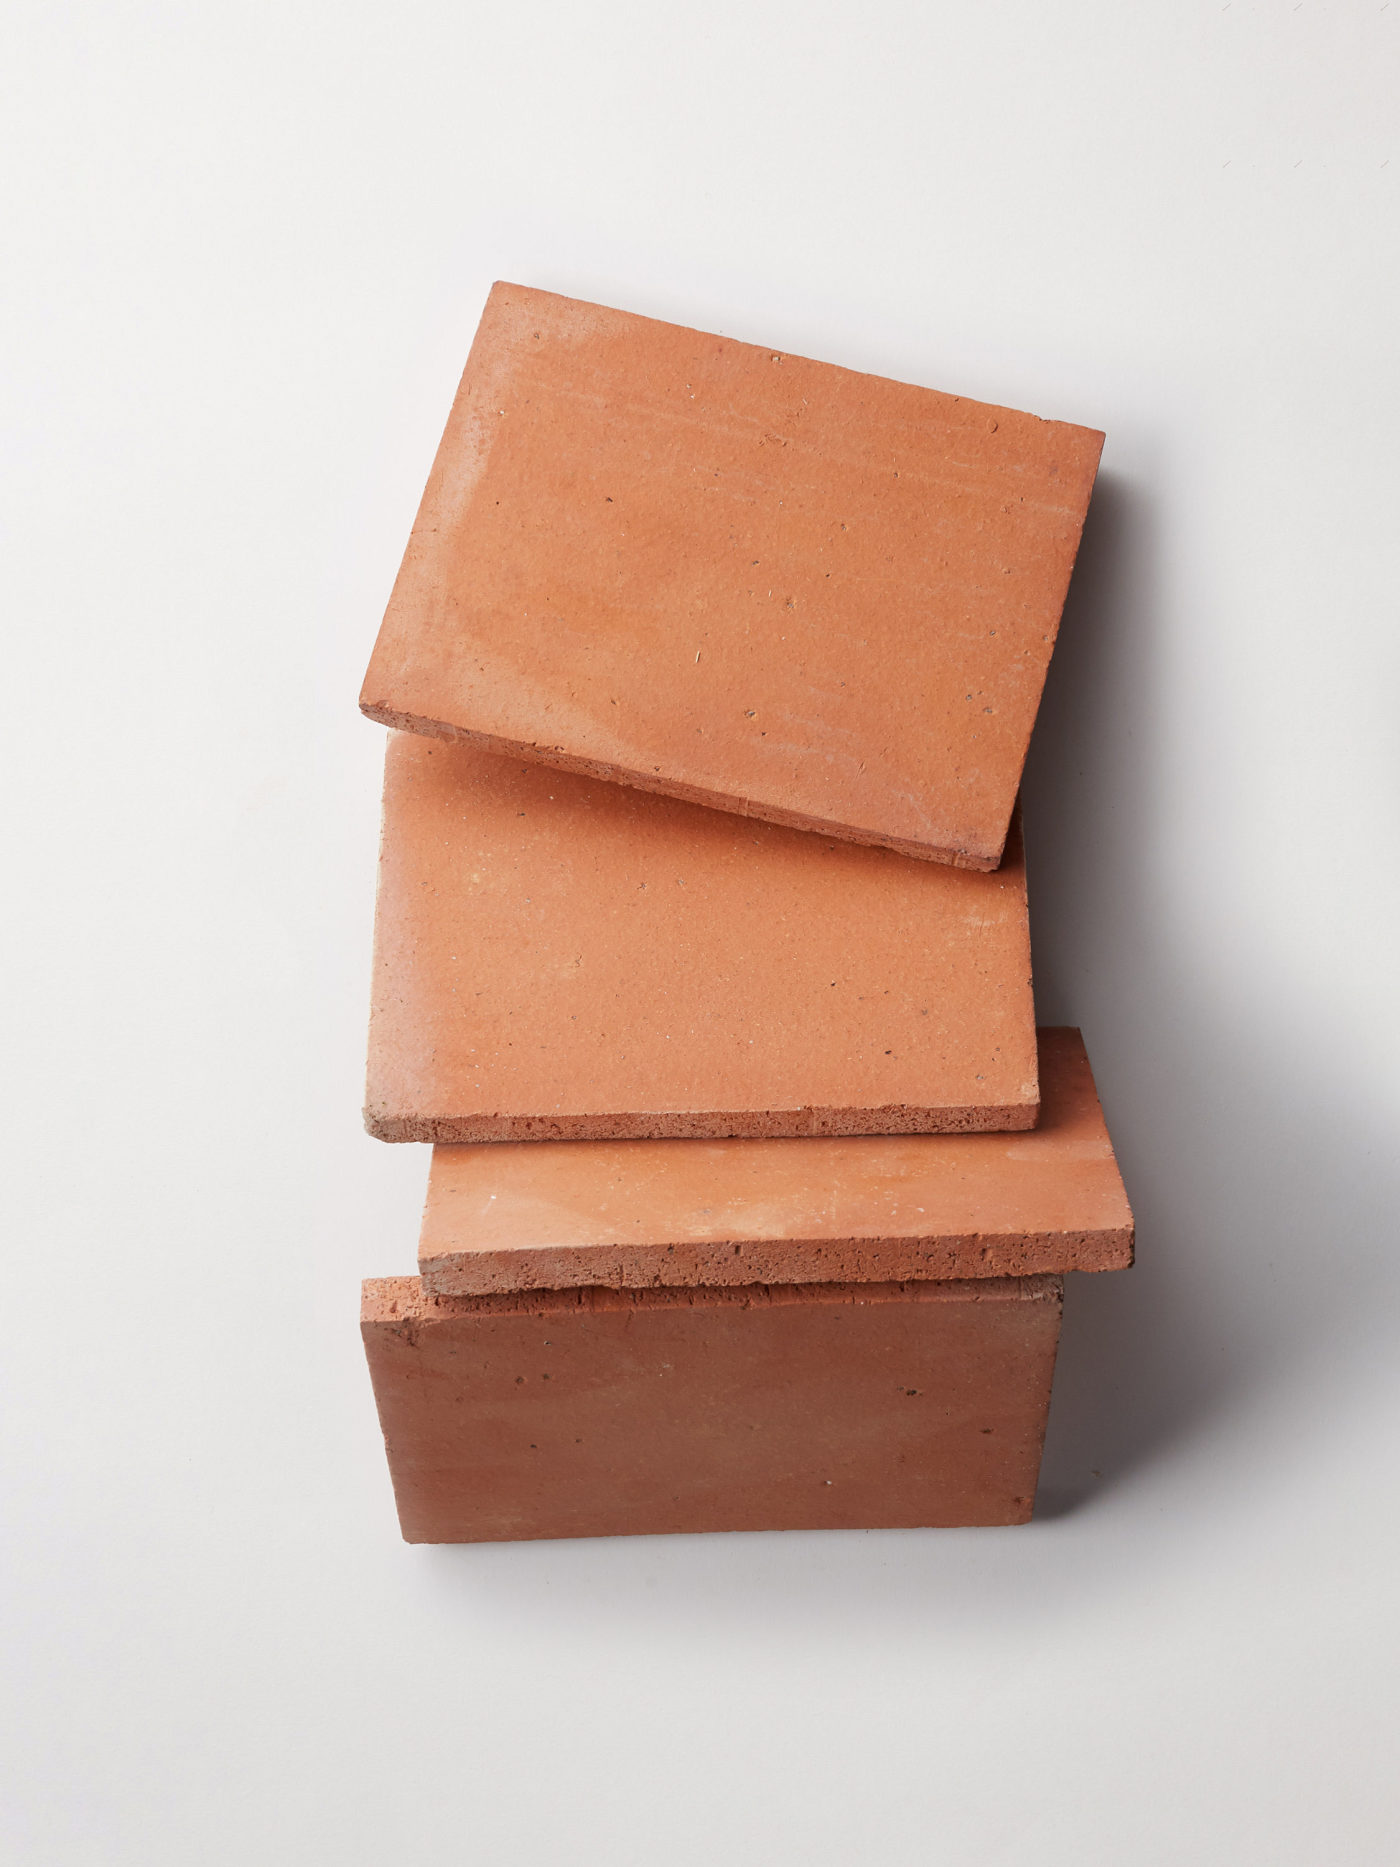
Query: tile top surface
{"x": 634, "y": 1214}
{"x": 737, "y": 577}
{"x": 558, "y": 958}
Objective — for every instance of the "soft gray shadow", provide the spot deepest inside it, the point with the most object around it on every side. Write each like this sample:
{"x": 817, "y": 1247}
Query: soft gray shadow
{"x": 1254, "y": 1179}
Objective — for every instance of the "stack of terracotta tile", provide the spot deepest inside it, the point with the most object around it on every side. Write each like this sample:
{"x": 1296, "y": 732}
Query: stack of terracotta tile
{"x": 702, "y": 953}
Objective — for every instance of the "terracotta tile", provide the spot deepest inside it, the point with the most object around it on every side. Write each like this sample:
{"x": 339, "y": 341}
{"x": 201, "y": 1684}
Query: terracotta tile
{"x": 636, "y": 1214}
{"x": 737, "y": 577}
{"x": 557, "y": 958}
{"x": 612, "y": 1413}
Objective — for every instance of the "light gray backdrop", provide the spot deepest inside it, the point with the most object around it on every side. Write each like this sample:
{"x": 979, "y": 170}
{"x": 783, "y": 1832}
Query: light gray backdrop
{"x": 247, "y": 246}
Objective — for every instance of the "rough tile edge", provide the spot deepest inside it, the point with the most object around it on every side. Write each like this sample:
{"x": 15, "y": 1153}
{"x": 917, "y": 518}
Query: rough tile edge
{"x": 730, "y": 1263}
{"x": 401, "y": 1303}
{"x": 982, "y": 861}
{"x": 612, "y": 1532}
{"x": 703, "y": 1125}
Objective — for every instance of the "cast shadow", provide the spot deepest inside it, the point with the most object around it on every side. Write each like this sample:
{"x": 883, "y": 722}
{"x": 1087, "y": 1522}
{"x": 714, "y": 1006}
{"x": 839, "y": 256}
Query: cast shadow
{"x": 1248, "y": 1169}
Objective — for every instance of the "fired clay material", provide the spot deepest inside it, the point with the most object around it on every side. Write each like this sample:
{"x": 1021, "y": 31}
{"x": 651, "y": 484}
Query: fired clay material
{"x": 636, "y": 1214}
{"x": 612, "y": 1413}
{"x": 737, "y": 577}
{"x": 562, "y": 959}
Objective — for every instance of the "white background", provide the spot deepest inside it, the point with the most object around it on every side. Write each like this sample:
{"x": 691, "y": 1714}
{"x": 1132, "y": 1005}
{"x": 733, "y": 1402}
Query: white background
{"x": 246, "y": 249}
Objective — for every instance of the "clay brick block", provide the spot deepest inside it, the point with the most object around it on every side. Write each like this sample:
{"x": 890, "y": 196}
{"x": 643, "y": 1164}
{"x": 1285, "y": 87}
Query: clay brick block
{"x": 741, "y": 578}
{"x": 638, "y": 1214}
{"x": 557, "y": 958}
{"x": 612, "y": 1413}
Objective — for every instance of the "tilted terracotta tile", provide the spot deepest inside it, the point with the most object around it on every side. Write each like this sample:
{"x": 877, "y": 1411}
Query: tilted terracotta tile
{"x": 738, "y": 577}
{"x": 612, "y": 1413}
{"x": 635, "y": 1214}
{"x": 557, "y": 958}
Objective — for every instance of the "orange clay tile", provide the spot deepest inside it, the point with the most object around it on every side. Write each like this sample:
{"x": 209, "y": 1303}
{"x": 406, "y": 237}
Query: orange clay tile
{"x": 636, "y": 1214}
{"x": 615, "y": 1413}
{"x": 561, "y": 959}
{"x": 737, "y": 577}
